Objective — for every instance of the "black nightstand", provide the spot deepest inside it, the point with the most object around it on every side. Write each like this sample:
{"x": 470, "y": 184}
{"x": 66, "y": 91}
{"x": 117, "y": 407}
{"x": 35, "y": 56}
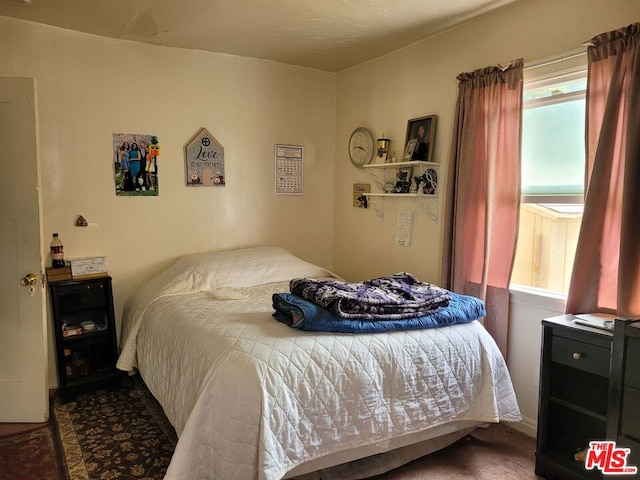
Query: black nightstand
{"x": 85, "y": 333}
{"x": 574, "y": 396}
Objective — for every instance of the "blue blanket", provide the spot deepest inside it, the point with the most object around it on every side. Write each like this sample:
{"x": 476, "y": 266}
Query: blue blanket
{"x": 297, "y": 312}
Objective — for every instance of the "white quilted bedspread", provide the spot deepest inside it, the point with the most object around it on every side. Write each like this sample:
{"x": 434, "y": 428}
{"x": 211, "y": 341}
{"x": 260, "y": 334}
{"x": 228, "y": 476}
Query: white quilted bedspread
{"x": 252, "y": 398}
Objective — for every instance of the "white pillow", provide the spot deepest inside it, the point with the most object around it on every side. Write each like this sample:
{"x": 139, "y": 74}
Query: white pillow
{"x": 223, "y": 274}
{"x": 236, "y": 269}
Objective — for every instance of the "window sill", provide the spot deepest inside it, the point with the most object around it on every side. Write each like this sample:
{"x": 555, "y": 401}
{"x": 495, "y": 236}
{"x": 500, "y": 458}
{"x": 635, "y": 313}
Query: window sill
{"x": 538, "y": 297}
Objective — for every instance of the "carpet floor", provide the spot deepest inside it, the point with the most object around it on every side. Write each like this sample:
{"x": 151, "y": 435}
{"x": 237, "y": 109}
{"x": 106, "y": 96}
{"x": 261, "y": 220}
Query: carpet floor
{"x": 124, "y": 434}
{"x": 494, "y": 453}
{"x": 32, "y": 455}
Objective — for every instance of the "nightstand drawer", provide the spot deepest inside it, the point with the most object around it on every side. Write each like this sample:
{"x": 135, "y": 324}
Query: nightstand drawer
{"x": 583, "y": 356}
{"x": 77, "y": 297}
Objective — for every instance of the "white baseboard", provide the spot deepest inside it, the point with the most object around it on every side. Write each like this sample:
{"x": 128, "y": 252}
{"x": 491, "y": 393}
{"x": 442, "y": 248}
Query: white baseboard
{"x": 527, "y": 426}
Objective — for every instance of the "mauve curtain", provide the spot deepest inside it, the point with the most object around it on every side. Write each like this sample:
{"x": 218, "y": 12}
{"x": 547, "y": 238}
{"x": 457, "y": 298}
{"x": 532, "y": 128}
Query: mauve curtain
{"x": 483, "y": 191}
{"x": 606, "y": 271}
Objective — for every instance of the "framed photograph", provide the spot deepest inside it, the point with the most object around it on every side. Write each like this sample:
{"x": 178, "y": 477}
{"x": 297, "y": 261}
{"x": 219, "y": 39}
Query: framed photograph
{"x": 423, "y": 131}
{"x": 408, "y": 151}
{"x": 135, "y": 162}
{"x": 403, "y": 180}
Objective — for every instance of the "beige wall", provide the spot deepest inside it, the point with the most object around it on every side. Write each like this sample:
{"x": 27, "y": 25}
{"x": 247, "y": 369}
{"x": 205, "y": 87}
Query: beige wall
{"x": 89, "y": 87}
{"x": 421, "y": 80}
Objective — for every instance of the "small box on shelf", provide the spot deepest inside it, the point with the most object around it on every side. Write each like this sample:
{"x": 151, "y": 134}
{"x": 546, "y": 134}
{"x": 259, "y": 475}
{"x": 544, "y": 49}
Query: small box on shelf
{"x": 88, "y": 267}
{"x": 58, "y": 274}
{"x": 71, "y": 331}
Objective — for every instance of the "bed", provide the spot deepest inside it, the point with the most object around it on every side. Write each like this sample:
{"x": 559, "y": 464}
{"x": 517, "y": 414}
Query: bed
{"x": 252, "y": 398}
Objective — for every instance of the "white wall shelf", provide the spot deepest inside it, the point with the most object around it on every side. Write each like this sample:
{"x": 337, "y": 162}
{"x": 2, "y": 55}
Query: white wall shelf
{"x": 425, "y": 198}
{"x": 425, "y": 195}
{"x": 420, "y": 163}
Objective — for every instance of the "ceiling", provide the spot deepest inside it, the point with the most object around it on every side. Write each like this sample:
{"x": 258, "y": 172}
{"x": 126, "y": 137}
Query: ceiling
{"x": 329, "y": 35}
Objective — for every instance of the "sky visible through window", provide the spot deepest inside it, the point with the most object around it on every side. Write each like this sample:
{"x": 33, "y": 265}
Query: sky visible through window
{"x": 553, "y": 140}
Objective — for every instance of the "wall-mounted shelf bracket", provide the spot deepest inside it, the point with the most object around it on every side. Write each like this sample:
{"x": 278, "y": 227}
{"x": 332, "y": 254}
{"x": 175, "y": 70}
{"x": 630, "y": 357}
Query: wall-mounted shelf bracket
{"x": 376, "y": 200}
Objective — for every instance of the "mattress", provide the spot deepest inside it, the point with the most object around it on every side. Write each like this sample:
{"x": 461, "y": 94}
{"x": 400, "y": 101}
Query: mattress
{"x": 251, "y": 398}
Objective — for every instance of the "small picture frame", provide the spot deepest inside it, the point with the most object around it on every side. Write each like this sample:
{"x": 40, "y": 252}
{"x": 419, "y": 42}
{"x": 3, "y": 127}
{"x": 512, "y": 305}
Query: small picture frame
{"x": 359, "y": 197}
{"x": 408, "y": 151}
{"x": 423, "y": 131}
{"x": 403, "y": 180}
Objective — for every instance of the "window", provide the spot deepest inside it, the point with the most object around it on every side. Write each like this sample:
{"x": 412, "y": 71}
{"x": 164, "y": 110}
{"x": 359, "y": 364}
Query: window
{"x": 553, "y": 159}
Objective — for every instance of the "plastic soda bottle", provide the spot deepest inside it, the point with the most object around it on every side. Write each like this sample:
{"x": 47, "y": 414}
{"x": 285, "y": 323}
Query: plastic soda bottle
{"x": 57, "y": 252}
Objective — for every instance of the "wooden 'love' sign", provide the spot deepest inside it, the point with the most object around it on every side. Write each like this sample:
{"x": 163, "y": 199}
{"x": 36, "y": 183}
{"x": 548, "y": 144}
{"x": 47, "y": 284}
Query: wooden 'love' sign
{"x": 205, "y": 161}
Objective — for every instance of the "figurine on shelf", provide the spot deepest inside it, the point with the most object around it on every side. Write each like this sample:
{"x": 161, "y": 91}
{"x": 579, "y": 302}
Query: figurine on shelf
{"x": 430, "y": 181}
{"x": 418, "y": 181}
{"x": 389, "y": 187}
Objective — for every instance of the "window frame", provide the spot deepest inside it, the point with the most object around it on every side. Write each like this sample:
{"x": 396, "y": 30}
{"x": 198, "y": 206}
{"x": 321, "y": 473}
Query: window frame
{"x": 542, "y": 81}
{"x": 561, "y": 204}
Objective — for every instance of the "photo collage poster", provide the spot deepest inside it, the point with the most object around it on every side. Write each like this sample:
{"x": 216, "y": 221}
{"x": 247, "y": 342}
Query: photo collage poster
{"x": 135, "y": 162}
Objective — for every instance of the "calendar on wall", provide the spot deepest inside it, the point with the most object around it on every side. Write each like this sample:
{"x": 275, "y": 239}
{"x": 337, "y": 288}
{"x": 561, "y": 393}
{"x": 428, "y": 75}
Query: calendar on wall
{"x": 288, "y": 169}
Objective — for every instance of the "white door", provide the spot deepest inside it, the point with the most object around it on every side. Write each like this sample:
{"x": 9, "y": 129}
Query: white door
{"x": 23, "y": 333}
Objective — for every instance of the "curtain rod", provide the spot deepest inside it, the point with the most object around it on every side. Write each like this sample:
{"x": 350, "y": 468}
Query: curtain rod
{"x": 556, "y": 59}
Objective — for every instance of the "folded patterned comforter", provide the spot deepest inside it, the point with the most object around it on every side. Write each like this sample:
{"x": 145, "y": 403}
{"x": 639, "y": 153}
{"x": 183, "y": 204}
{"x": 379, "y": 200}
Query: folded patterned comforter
{"x": 397, "y": 296}
{"x": 297, "y": 312}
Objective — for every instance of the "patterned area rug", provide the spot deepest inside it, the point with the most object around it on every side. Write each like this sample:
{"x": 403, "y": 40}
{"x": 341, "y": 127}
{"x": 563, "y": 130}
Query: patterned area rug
{"x": 121, "y": 434}
{"x": 125, "y": 435}
{"x": 30, "y": 455}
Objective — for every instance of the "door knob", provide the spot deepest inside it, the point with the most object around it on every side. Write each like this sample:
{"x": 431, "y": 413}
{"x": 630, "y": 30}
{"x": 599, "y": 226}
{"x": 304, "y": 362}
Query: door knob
{"x": 28, "y": 280}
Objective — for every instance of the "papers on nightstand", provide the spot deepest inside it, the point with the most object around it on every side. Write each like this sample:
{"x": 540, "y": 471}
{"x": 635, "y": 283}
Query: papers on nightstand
{"x": 604, "y": 321}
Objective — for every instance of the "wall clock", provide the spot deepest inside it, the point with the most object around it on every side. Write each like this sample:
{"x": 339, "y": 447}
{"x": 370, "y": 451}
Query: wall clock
{"x": 361, "y": 147}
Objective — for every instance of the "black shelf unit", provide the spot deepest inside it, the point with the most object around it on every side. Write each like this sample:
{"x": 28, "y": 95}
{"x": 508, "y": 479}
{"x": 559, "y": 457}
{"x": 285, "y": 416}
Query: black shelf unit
{"x": 86, "y": 360}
